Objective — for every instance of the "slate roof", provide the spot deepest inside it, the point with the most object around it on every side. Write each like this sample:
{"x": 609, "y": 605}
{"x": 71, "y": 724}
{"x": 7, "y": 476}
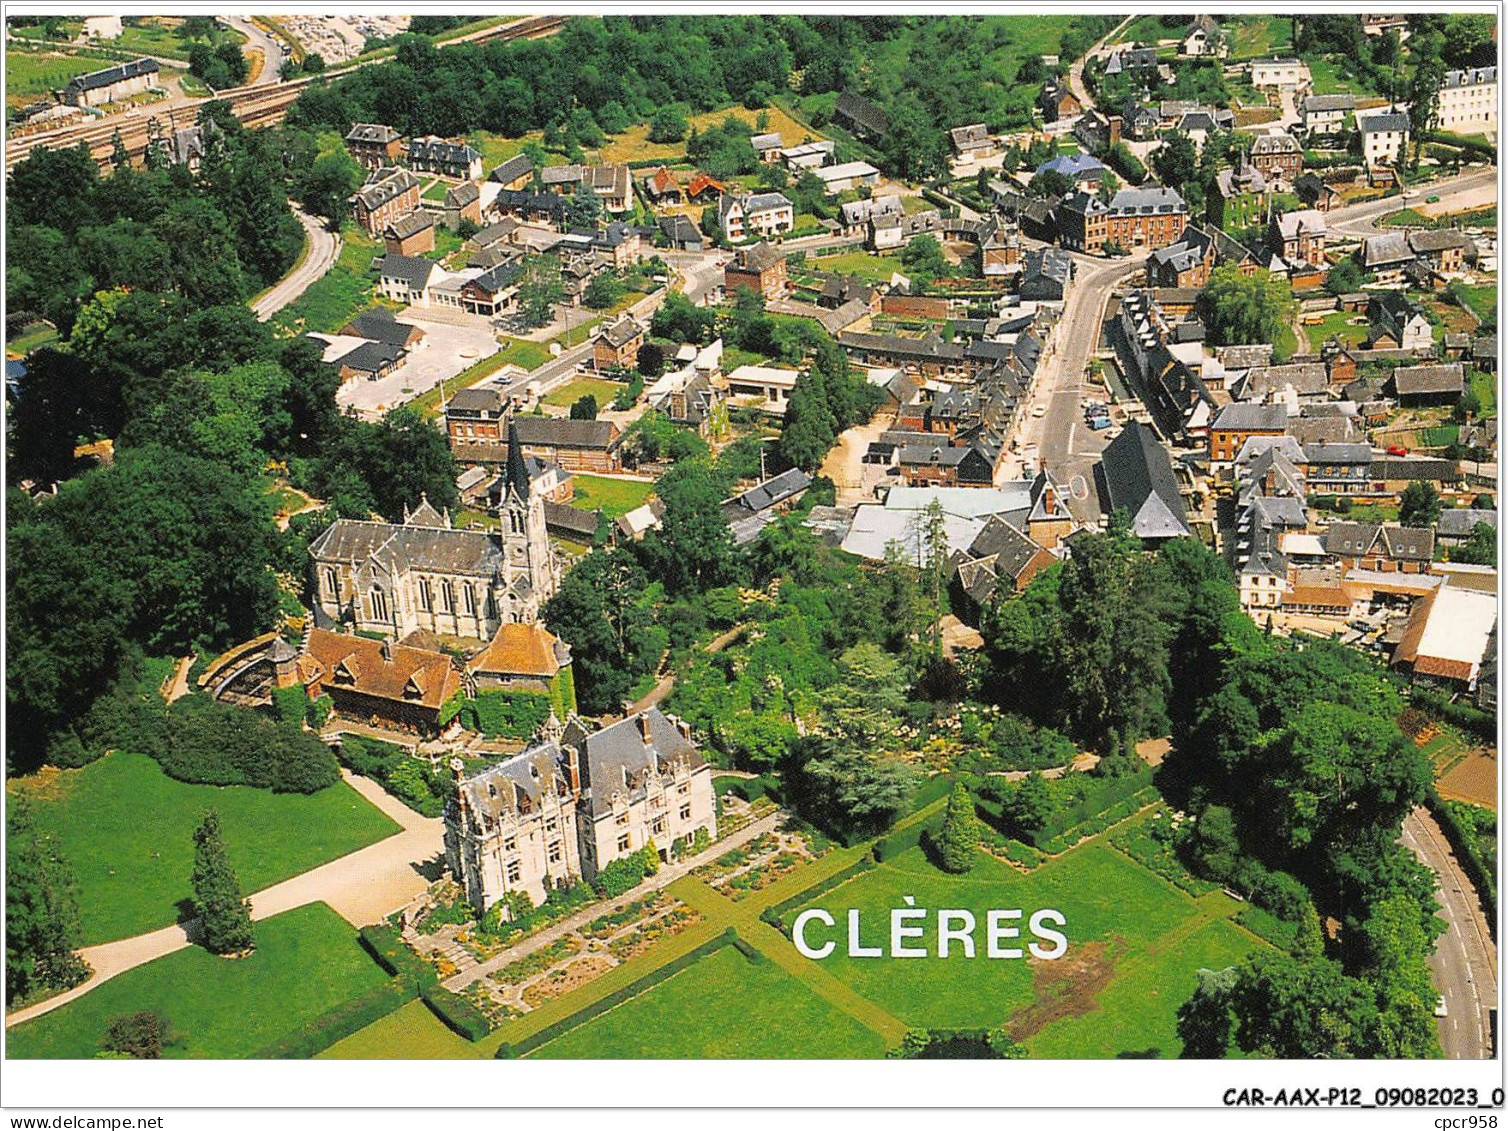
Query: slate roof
{"x": 370, "y": 357}
{"x": 413, "y": 269}
{"x": 1398, "y": 543}
{"x": 441, "y": 151}
{"x": 1459, "y": 522}
{"x": 477, "y": 400}
{"x": 1268, "y": 144}
{"x": 1437, "y": 239}
{"x": 761, "y": 257}
{"x": 1328, "y": 103}
{"x": 1146, "y": 201}
{"x": 512, "y": 169}
{"x": 862, "y": 111}
{"x": 616, "y": 759}
{"x": 1388, "y": 248}
{"x": 1245, "y": 417}
{"x": 411, "y": 225}
{"x": 1383, "y": 123}
{"x": 392, "y": 184}
{"x": 1412, "y": 380}
{"x": 1470, "y": 76}
{"x": 1139, "y": 477}
{"x": 442, "y": 550}
{"x": 458, "y": 196}
{"x": 372, "y": 132}
{"x": 553, "y": 431}
{"x": 94, "y": 80}
{"x": 1074, "y": 166}
{"x": 621, "y": 332}
{"x": 379, "y": 325}
{"x": 679, "y": 229}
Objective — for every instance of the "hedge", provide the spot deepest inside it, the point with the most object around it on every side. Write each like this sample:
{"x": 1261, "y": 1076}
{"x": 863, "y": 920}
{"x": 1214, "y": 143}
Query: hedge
{"x": 1483, "y": 723}
{"x": 890, "y": 846}
{"x": 1463, "y": 843}
{"x": 393, "y": 955}
{"x": 458, "y": 1014}
{"x": 1103, "y": 794}
{"x": 750, "y": 789}
{"x": 340, "y": 1022}
{"x": 414, "y": 782}
{"x": 288, "y": 704}
{"x": 775, "y": 914}
{"x": 544, "y": 1036}
{"x": 1126, "y": 163}
{"x": 1098, "y": 823}
{"x": 755, "y": 957}
{"x": 317, "y": 711}
{"x": 514, "y": 714}
{"x": 935, "y": 789}
{"x": 1485, "y": 149}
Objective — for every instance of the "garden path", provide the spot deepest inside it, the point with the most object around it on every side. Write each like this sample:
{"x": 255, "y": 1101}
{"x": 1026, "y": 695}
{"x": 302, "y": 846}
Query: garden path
{"x": 361, "y": 887}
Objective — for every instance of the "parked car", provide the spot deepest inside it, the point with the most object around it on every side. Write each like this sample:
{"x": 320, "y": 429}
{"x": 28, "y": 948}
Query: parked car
{"x": 1440, "y": 1007}
{"x": 1099, "y": 423}
{"x": 1039, "y": 411}
{"x": 1397, "y": 450}
{"x": 1432, "y": 198}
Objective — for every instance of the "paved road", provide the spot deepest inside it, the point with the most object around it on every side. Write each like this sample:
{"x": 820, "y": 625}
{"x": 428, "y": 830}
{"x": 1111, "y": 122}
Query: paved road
{"x": 259, "y": 41}
{"x": 1360, "y": 220}
{"x": 362, "y": 887}
{"x": 1076, "y": 69}
{"x": 1465, "y": 958}
{"x": 321, "y": 250}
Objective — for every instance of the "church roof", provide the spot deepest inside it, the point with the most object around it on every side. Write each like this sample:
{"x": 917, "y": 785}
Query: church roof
{"x": 382, "y": 669}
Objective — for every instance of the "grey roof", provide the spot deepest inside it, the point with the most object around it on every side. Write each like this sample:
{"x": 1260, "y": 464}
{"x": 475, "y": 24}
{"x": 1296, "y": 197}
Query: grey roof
{"x": 462, "y": 194}
{"x": 1146, "y": 201}
{"x": 1243, "y": 417}
{"x": 1414, "y": 467}
{"x": 413, "y": 269}
{"x": 1139, "y": 477}
{"x": 515, "y": 167}
{"x": 410, "y": 225}
{"x": 1414, "y": 379}
{"x": 777, "y": 489}
{"x": 680, "y": 229}
{"x": 1048, "y": 265}
{"x": 766, "y": 202}
{"x": 1390, "y": 247}
{"x": 621, "y": 332}
{"x": 1322, "y": 103}
{"x": 477, "y": 400}
{"x": 522, "y": 200}
{"x": 390, "y": 185}
{"x": 1323, "y": 452}
{"x": 370, "y": 357}
{"x": 379, "y": 325}
{"x": 110, "y": 75}
{"x": 1305, "y": 378}
{"x": 576, "y": 520}
{"x": 441, "y": 151}
{"x": 1245, "y": 357}
{"x": 1437, "y": 239}
{"x": 1459, "y": 522}
{"x": 1384, "y": 123}
{"x": 1399, "y": 543}
{"x": 616, "y": 759}
{"x": 761, "y": 142}
{"x": 554, "y": 431}
{"x": 760, "y": 257}
{"x": 373, "y": 132}
{"x": 862, "y": 111}
{"x": 474, "y": 552}
{"x": 1470, "y": 76}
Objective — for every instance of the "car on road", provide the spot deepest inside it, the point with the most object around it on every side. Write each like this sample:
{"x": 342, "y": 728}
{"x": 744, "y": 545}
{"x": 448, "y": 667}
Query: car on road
{"x": 1397, "y": 450}
{"x": 1432, "y": 198}
{"x": 1039, "y": 411}
{"x": 1440, "y": 1010}
{"x": 1099, "y": 423}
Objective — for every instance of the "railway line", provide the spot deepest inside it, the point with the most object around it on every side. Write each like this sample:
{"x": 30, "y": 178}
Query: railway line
{"x": 259, "y": 105}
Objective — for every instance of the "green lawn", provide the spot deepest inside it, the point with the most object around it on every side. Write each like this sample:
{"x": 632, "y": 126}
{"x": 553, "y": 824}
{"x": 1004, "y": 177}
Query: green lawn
{"x": 1110, "y": 903}
{"x": 39, "y": 334}
{"x": 306, "y": 962}
{"x": 1486, "y": 388}
{"x": 1483, "y": 298}
{"x": 614, "y": 496}
{"x": 411, "y": 1031}
{"x": 871, "y": 268}
{"x": 1333, "y": 76}
{"x": 344, "y": 291}
{"x": 522, "y": 352}
{"x": 29, "y": 75}
{"x": 1138, "y": 1011}
{"x": 128, "y": 831}
{"x": 155, "y": 38}
{"x": 570, "y": 393}
{"x": 1259, "y": 35}
{"x": 724, "y": 1006}
{"x": 1338, "y": 325}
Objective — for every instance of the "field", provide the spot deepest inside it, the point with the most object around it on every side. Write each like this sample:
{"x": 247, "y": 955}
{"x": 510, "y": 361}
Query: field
{"x": 870, "y": 268}
{"x": 1486, "y": 389}
{"x": 1332, "y": 77}
{"x": 760, "y": 1013}
{"x": 1123, "y": 923}
{"x": 615, "y": 496}
{"x": 128, "y": 831}
{"x": 1474, "y": 779}
{"x": 570, "y": 393}
{"x": 1483, "y": 299}
{"x": 29, "y": 75}
{"x": 306, "y": 962}
{"x": 344, "y": 291}
{"x": 155, "y": 36}
{"x": 633, "y": 144}
{"x": 1259, "y": 35}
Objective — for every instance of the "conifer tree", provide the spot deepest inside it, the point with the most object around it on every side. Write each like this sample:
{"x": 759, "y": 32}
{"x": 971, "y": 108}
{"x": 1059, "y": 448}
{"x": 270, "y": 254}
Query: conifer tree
{"x": 222, "y": 910}
{"x": 960, "y": 832}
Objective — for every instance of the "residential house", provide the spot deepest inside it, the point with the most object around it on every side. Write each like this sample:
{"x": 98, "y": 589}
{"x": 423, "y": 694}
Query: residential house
{"x": 367, "y": 361}
{"x": 379, "y": 325}
{"x": 760, "y": 267}
{"x": 1415, "y": 385}
{"x": 1046, "y": 275}
{"x": 475, "y": 414}
{"x": 847, "y": 176}
{"x": 1000, "y": 559}
{"x": 767, "y": 146}
{"x": 751, "y": 511}
{"x": 530, "y": 206}
{"x": 762, "y": 214}
{"x": 1325, "y": 114}
{"x": 1387, "y": 256}
{"x": 413, "y": 234}
{"x": 1444, "y": 249}
{"x": 1299, "y": 237}
{"x": 1139, "y": 122}
{"x": 117, "y": 82}
{"x": 1083, "y": 169}
{"x": 1315, "y": 193}
{"x": 945, "y": 465}
{"x": 1397, "y": 322}
{"x": 1134, "y": 218}
{"x": 389, "y": 194}
{"x": 462, "y": 202}
{"x": 514, "y": 174}
{"x": 1131, "y": 60}
{"x": 1295, "y": 382}
{"x": 1278, "y": 155}
{"x": 1236, "y": 423}
{"x": 1057, "y": 102}
{"x": 493, "y": 292}
{"x": 970, "y": 143}
{"x": 860, "y": 117}
{"x": 1203, "y": 38}
{"x": 1337, "y": 468}
{"x": 660, "y": 187}
{"x": 446, "y": 157}
{"x": 1456, "y": 525}
{"x": 1138, "y": 478}
{"x": 1384, "y": 136}
{"x": 611, "y": 183}
{"x": 1187, "y": 263}
{"x": 526, "y": 658}
{"x": 1468, "y": 101}
{"x": 378, "y": 682}
{"x": 681, "y": 233}
{"x": 1386, "y": 549}
{"x": 406, "y": 278}
{"x": 1280, "y": 73}
{"x": 617, "y": 346}
{"x": 374, "y": 145}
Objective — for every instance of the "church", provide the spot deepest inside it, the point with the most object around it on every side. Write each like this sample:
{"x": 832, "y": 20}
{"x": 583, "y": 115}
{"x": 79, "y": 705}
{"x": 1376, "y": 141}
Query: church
{"x": 423, "y": 574}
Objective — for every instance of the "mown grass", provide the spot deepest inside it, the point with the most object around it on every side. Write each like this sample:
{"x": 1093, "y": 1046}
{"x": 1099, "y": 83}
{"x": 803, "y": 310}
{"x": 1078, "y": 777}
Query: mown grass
{"x": 870, "y": 268}
{"x": 127, "y": 830}
{"x": 569, "y": 394}
{"x": 306, "y": 962}
{"x": 722, "y": 1007}
{"x": 28, "y": 75}
{"x": 341, "y": 293}
{"x": 614, "y": 497}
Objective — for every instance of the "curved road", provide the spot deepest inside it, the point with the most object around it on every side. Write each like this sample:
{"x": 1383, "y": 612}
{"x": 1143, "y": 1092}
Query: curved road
{"x": 1465, "y": 959}
{"x": 1360, "y": 220}
{"x": 320, "y": 251}
{"x": 259, "y": 41}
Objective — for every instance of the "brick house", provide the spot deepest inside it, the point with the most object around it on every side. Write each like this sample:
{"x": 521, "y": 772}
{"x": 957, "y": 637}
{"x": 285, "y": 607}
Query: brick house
{"x": 1299, "y": 237}
{"x": 413, "y": 234}
{"x": 759, "y": 268}
{"x": 445, "y": 157}
{"x": 389, "y": 195}
{"x": 1279, "y": 156}
{"x": 617, "y": 347}
{"x": 1236, "y": 422}
{"x": 374, "y": 145}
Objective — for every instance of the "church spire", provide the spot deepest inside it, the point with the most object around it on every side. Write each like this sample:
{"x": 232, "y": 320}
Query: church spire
{"x": 518, "y": 473}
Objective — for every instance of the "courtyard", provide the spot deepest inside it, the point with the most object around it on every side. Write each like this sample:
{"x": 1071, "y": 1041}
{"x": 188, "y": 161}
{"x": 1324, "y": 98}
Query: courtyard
{"x": 449, "y": 347}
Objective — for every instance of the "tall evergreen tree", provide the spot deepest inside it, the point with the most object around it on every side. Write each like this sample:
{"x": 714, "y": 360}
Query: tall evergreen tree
{"x": 223, "y": 911}
{"x": 41, "y": 910}
{"x": 959, "y": 837}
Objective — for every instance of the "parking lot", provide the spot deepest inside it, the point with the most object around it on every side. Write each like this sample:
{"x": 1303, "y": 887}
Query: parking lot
{"x": 446, "y": 349}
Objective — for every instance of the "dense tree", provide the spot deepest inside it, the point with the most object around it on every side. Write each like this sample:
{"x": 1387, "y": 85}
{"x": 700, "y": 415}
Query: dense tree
{"x": 584, "y": 407}
{"x": 585, "y": 209}
{"x": 1246, "y": 309}
{"x": 602, "y": 291}
{"x": 650, "y": 361}
{"x": 139, "y": 1035}
{"x": 1481, "y": 547}
{"x": 224, "y": 913}
{"x": 1176, "y": 161}
{"x": 958, "y": 839}
{"x": 601, "y": 610}
{"x": 328, "y": 188}
{"x": 692, "y": 549}
{"x": 846, "y": 788}
{"x": 1419, "y": 504}
{"x": 681, "y": 320}
{"x": 42, "y": 932}
{"x": 667, "y": 125}
{"x": 1205, "y": 1023}
{"x": 1295, "y": 1009}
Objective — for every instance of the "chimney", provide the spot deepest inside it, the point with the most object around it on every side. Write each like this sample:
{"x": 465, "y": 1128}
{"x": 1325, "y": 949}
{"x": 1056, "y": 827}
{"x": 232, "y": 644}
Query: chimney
{"x": 644, "y": 730}
{"x": 573, "y": 770}
{"x": 387, "y": 649}
{"x": 1115, "y": 129}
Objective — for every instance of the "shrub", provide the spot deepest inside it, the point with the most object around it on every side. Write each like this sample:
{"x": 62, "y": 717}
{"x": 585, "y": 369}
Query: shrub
{"x": 340, "y": 1022}
{"x": 393, "y": 954}
{"x": 317, "y": 711}
{"x": 216, "y": 744}
{"x": 625, "y": 873}
{"x": 289, "y": 704}
{"x": 1463, "y": 841}
{"x": 414, "y": 782}
{"x": 515, "y": 714}
{"x": 137, "y": 1035}
{"x": 459, "y": 1015}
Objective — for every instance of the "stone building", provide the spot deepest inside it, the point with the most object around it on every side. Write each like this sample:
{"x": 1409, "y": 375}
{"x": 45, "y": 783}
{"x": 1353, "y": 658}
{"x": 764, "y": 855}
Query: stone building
{"x": 395, "y": 578}
{"x": 120, "y": 81}
{"x": 573, "y": 802}
{"x": 374, "y": 144}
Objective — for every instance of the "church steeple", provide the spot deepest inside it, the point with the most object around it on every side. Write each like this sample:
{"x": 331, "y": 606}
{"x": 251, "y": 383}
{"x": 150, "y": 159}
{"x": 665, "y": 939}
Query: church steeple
{"x": 517, "y": 477}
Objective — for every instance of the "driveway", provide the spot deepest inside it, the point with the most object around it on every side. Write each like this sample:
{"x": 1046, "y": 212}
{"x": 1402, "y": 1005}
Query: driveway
{"x": 844, "y": 465}
{"x": 362, "y": 887}
{"x": 446, "y": 349}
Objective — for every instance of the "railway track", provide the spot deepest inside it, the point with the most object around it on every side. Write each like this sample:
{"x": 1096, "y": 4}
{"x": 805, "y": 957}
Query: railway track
{"x": 255, "y": 106}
